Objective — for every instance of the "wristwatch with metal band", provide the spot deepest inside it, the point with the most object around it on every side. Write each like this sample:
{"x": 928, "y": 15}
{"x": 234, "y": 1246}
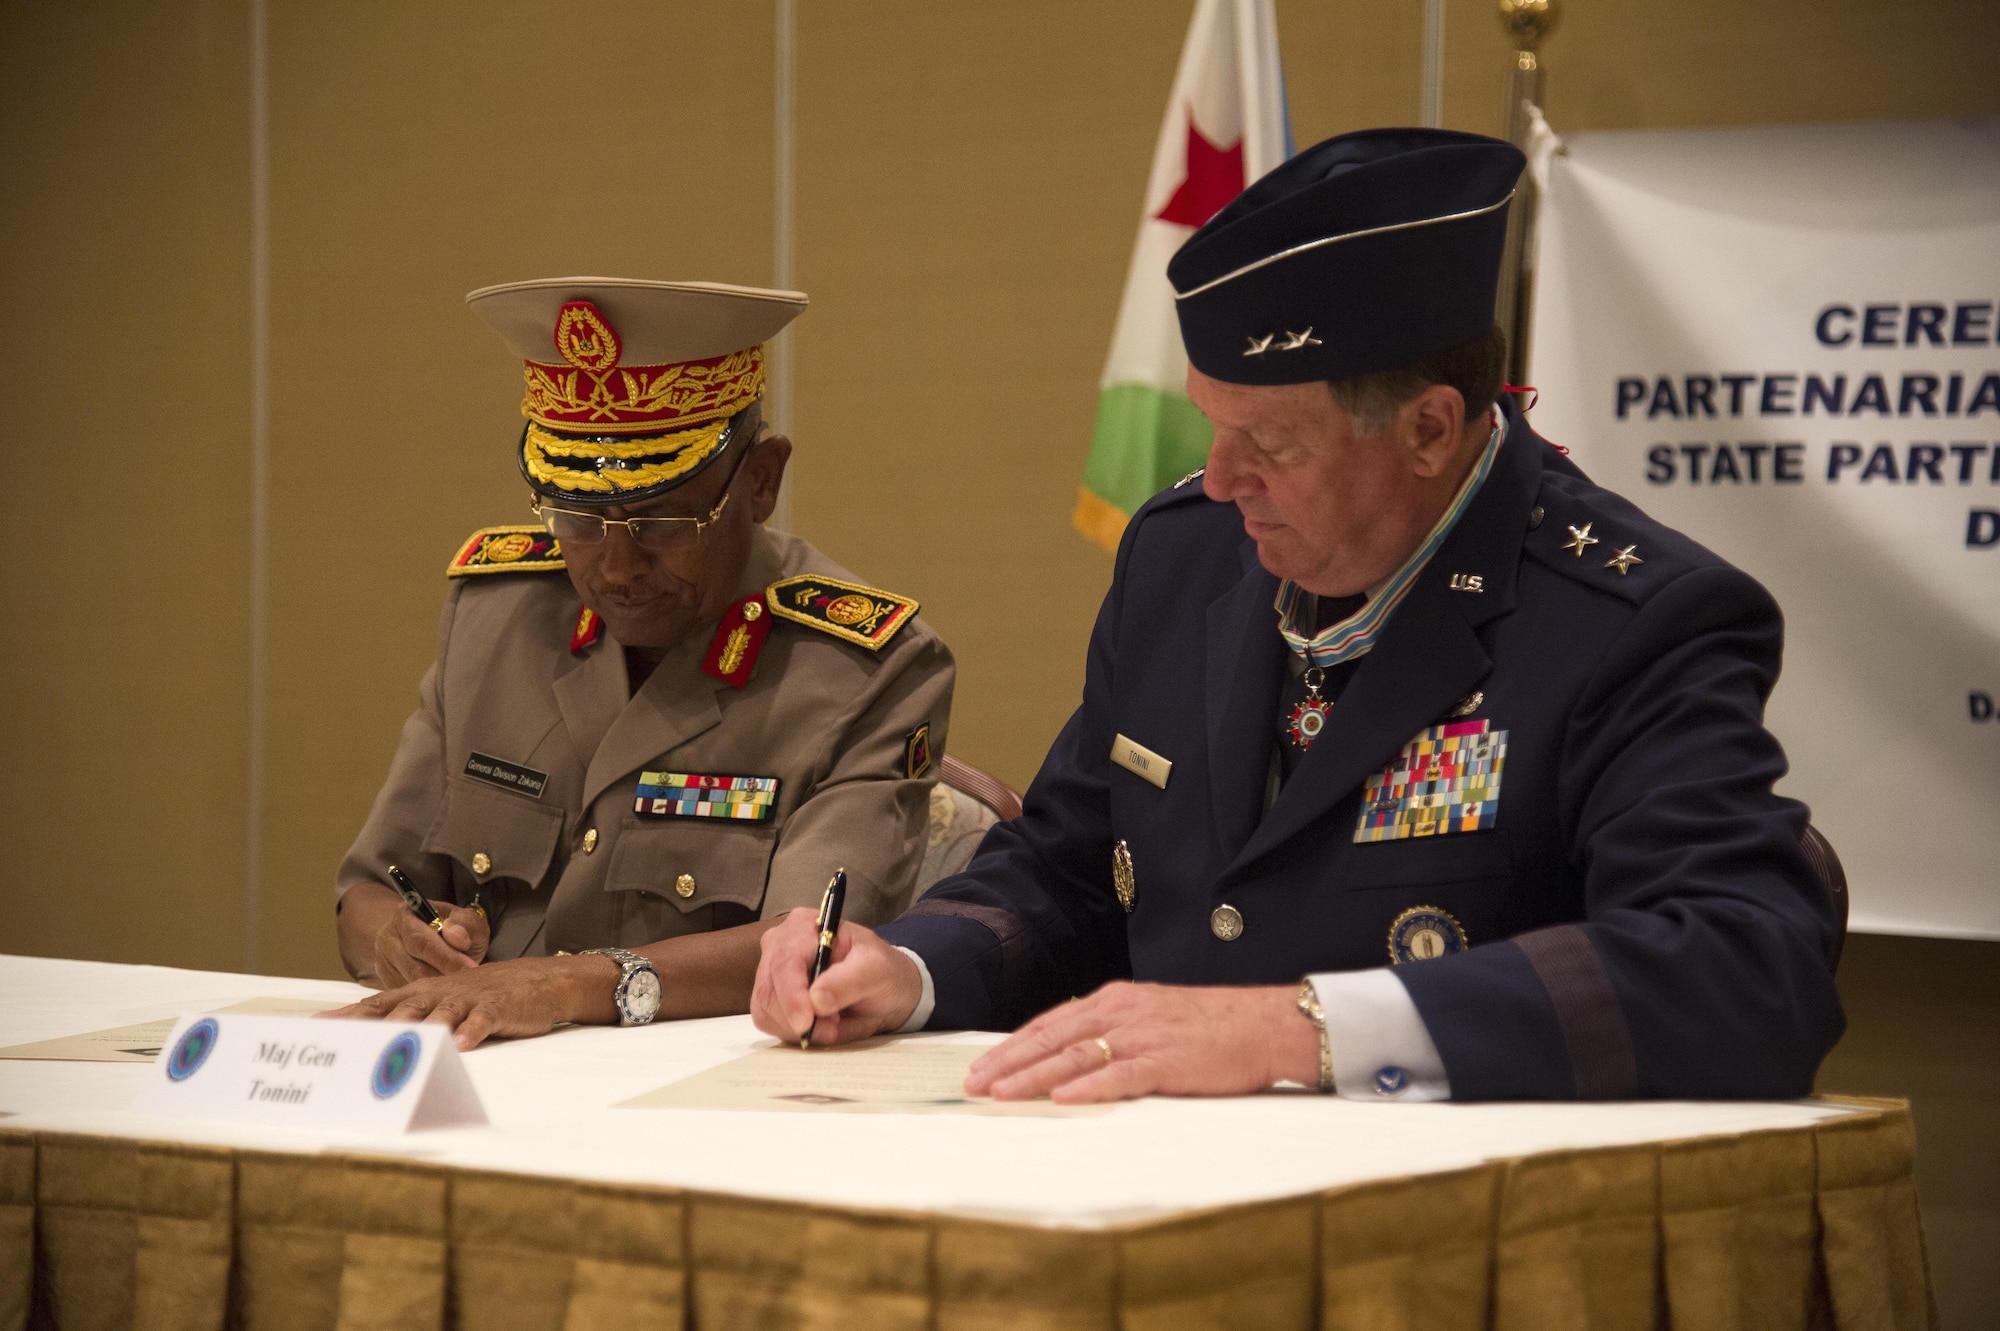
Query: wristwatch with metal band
{"x": 1308, "y": 1004}
{"x": 638, "y": 992}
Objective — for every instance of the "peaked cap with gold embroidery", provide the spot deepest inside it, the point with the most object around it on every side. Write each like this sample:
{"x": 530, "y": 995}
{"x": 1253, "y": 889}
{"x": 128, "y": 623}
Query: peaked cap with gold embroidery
{"x": 633, "y": 387}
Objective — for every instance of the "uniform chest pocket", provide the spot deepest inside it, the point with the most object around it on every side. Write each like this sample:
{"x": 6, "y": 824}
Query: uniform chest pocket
{"x": 1423, "y": 861}
{"x": 495, "y": 834}
{"x": 693, "y": 862}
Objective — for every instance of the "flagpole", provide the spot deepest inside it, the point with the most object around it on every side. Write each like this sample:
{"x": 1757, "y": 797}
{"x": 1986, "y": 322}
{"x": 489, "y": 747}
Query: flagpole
{"x": 1528, "y": 23}
{"x": 778, "y": 374}
{"x": 1431, "y": 98}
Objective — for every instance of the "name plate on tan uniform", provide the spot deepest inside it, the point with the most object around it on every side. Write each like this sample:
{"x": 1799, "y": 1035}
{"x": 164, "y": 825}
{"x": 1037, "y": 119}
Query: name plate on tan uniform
{"x": 1141, "y": 761}
{"x": 356, "y": 1076}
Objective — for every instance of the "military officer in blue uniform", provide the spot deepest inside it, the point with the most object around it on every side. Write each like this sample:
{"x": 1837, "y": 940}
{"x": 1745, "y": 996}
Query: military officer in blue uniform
{"x": 1410, "y": 764}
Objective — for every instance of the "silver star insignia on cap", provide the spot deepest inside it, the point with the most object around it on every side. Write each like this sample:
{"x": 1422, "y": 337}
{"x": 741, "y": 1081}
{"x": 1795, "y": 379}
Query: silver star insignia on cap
{"x": 1258, "y": 346}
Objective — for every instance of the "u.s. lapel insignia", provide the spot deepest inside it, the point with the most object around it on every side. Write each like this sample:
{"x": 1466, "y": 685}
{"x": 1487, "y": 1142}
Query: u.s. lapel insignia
{"x": 506, "y": 550}
{"x": 865, "y": 616}
{"x": 747, "y": 799}
{"x": 732, "y": 653}
{"x": 1446, "y": 780}
{"x": 1123, "y": 881}
{"x": 1423, "y": 932}
{"x": 917, "y": 751}
{"x": 589, "y": 628}
{"x": 1467, "y": 705}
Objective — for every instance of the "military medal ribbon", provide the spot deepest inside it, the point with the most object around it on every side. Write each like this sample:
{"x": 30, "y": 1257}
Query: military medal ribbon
{"x": 1356, "y": 634}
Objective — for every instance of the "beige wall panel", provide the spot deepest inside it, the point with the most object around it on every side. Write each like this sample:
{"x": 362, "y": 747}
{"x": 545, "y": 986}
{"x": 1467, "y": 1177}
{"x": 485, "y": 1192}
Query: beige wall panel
{"x": 420, "y": 151}
{"x": 969, "y": 184}
{"x": 1350, "y": 64}
{"x": 124, "y": 215}
{"x": 1639, "y": 64}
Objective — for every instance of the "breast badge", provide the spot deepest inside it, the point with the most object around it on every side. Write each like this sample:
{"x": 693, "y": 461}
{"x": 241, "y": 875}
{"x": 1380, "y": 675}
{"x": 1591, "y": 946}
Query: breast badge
{"x": 1423, "y": 932}
{"x": 1445, "y": 780}
{"x": 748, "y": 799}
{"x": 1122, "y": 880}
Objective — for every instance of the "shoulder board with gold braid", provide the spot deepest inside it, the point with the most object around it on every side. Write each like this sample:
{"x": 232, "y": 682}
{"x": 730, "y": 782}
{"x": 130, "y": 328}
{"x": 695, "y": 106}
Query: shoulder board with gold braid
{"x": 506, "y": 550}
{"x": 865, "y": 616}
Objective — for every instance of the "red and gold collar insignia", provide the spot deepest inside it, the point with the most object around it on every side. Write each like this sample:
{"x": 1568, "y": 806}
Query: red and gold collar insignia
{"x": 732, "y": 656}
{"x": 589, "y": 628}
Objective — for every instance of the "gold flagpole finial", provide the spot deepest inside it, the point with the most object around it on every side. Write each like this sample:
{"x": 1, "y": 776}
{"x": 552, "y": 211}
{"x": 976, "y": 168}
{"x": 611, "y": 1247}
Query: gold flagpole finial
{"x": 1528, "y": 22}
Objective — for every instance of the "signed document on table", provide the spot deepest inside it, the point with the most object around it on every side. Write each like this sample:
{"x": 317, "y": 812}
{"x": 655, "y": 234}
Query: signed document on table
{"x": 141, "y": 1041}
{"x": 888, "y": 1075}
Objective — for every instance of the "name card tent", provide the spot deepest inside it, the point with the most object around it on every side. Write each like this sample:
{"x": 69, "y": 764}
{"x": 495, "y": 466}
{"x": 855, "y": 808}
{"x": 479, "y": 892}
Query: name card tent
{"x": 354, "y": 1076}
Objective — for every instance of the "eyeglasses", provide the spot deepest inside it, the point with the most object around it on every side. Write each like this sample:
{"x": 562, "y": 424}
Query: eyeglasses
{"x": 661, "y": 536}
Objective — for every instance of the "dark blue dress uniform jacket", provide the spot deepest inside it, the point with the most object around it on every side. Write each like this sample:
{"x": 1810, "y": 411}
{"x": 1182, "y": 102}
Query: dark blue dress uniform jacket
{"x": 1641, "y": 919}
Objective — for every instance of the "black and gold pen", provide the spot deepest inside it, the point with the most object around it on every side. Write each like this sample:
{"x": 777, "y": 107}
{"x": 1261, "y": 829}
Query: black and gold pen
{"x": 829, "y": 929}
{"x": 414, "y": 899}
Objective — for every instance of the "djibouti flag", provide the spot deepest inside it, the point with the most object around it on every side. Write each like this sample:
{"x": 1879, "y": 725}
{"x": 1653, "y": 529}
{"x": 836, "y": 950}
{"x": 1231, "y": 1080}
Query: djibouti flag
{"x": 1226, "y": 124}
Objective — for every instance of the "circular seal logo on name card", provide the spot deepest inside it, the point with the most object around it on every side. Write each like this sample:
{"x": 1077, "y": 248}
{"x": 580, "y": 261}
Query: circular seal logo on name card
{"x": 395, "y": 1067}
{"x": 197, "y": 1042}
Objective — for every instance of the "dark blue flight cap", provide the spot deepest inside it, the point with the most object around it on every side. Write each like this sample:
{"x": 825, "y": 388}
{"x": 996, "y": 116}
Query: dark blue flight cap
{"x": 1362, "y": 253}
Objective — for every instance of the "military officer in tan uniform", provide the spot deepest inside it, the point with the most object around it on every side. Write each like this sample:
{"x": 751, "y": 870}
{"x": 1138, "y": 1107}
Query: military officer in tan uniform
{"x": 652, "y": 724}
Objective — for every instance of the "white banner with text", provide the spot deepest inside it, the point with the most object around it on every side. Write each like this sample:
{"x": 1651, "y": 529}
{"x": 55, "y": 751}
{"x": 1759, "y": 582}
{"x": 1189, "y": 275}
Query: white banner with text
{"x": 1785, "y": 342}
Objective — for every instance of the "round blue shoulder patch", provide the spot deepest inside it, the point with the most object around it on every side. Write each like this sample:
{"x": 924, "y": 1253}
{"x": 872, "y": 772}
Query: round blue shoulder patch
{"x": 197, "y": 1042}
{"x": 1423, "y": 932}
{"x": 394, "y": 1068}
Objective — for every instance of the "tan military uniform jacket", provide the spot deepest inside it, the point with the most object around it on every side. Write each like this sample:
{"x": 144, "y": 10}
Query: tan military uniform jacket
{"x": 577, "y": 866}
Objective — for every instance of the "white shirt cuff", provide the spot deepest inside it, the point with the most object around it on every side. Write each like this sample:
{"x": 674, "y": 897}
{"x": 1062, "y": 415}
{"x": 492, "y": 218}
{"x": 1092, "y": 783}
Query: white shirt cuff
{"x": 1381, "y": 1048}
{"x": 922, "y": 1012}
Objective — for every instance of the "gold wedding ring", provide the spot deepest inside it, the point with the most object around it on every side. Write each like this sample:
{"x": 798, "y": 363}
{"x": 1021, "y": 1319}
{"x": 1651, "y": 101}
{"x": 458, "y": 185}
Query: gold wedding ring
{"x": 1105, "y": 1045}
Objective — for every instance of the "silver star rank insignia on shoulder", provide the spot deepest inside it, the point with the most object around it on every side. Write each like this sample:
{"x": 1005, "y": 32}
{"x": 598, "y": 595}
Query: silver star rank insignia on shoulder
{"x": 1579, "y": 538}
{"x": 1623, "y": 560}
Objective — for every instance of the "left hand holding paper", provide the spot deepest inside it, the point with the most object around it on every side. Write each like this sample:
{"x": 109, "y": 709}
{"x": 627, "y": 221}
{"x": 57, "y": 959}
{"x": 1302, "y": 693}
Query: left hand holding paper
{"x": 1128, "y": 1040}
{"x": 527, "y": 996}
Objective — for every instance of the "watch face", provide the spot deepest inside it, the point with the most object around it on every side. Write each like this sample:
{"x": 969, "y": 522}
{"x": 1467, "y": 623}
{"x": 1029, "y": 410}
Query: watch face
{"x": 642, "y": 996}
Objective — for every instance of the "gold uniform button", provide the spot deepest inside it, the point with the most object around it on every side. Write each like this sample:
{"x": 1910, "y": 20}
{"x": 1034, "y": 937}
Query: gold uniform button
{"x": 1226, "y": 923}
{"x": 590, "y": 841}
{"x": 685, "y": 884}
{"x": 481, "y": 862}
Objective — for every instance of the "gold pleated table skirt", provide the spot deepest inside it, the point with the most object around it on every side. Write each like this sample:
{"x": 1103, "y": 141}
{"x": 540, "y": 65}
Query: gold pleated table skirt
{"x": 1794, "y": 1228}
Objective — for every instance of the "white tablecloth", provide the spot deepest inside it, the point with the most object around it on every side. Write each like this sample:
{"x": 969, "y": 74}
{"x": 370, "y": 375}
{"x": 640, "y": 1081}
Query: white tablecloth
{"x": 550, "y": 1102}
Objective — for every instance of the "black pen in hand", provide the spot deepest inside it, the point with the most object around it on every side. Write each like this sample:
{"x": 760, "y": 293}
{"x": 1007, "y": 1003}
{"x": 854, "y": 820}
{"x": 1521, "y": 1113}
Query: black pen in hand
{"x": 415, "y": 899}
{"x": 829, "y": 929}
